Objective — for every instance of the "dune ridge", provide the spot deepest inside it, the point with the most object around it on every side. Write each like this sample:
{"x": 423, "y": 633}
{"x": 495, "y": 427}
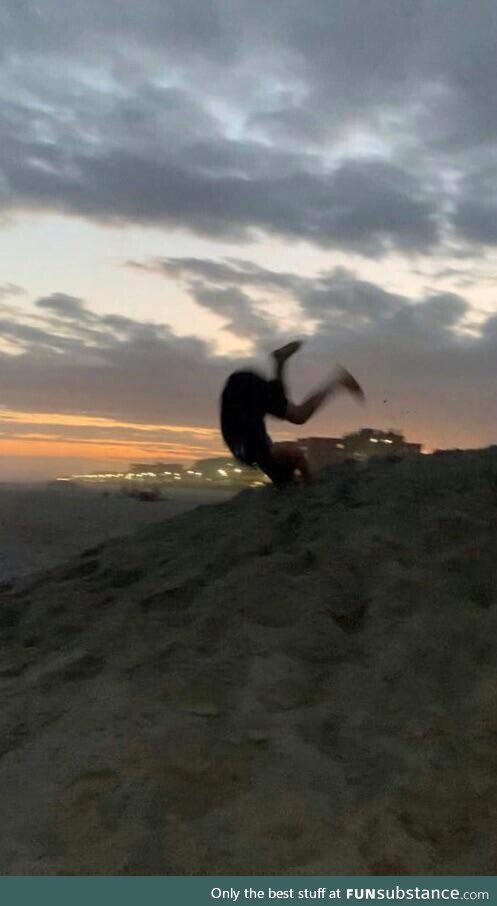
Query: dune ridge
{"x": 298, "y": 682}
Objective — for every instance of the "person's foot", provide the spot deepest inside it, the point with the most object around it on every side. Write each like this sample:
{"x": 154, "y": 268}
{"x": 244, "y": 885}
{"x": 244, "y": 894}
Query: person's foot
{"x": 349, "y": 382}
{"x": 281, "y": 355}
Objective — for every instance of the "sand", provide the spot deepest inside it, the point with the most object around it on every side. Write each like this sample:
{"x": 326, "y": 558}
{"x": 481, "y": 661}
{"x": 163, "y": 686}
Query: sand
{"x": 43, "y": 524}
{"x": 285, "y": 683}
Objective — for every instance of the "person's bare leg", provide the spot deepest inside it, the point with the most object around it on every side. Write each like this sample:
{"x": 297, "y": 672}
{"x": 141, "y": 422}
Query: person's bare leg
{"x": 349, "y": 383}
{"x": 281, "y": 356}
{"x": 293, "y": 457}
{"x": 343, "y": 380}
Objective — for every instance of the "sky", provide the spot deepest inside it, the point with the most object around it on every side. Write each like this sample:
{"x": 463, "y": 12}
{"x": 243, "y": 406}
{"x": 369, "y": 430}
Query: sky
{"x": 185, "y": 185}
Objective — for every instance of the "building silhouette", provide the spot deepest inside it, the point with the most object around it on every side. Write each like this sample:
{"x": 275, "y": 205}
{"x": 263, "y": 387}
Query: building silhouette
{"x": 321, "y": 451}
{"x": 226, "y": 470}
{"x": 362, "y": 444}
{"x": 370, "y": 442}
{"x": 158, "y": 468}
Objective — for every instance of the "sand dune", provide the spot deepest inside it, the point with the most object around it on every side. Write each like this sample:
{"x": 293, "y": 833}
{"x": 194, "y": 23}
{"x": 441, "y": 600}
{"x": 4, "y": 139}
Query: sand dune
{"x": 287, "y": 683}
{"x": 43, "y": 524}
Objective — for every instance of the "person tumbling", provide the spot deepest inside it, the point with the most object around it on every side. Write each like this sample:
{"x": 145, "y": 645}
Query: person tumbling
{"x": 247, "y": 398}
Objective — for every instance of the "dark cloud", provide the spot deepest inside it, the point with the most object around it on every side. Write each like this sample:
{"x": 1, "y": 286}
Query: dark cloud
{"x": 67, "y": 307}
{"x": 365, "y": 206}
{"x": 390, "y": 66}
{"x": 475, "y": 216}
{"x": 336, "y": 297}
{"x": 228, "y": 272}
{"x": 412, "y": 353}
{"x": 341, "y": 295}
{"x": 343, "y": 57}
{"x": 334, "y": 123}
{"x": 236, "y": 307}
{"x": 7, "y": 290}
{"x": 30, "y": 337}
{"x": 128, "y": 370}
{"x": 205, "y": 118}
{"x": 180, "y": 26}
{"x": 460, "y": 51}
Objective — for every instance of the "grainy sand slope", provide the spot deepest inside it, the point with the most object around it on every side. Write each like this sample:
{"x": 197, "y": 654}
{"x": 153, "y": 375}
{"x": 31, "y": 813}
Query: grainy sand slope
{"x": 294, "y": 683}
{"x": 41, "y": 525}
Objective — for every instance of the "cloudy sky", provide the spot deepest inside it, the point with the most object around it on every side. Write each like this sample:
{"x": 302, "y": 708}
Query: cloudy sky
{"x": 185, "y": 184}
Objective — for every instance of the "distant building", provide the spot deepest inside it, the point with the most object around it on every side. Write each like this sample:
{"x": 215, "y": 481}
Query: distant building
{"x": 363, "y": 444}
{"x": 157, "y": 468}
{"x": 373, "y": 442}
{"x": 226, "y": 470}
{"x": 321, "y": 451}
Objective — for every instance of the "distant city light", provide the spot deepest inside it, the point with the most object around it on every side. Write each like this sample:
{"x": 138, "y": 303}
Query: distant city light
{"x": 320, "y": 451}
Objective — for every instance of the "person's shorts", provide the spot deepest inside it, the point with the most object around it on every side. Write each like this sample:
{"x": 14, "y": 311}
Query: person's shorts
{"x": 253, "y": 450}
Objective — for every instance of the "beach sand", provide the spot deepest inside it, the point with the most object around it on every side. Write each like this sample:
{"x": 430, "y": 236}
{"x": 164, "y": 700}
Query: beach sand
{"x": 298, "y": 682}
{"x": 43, "y": 524}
